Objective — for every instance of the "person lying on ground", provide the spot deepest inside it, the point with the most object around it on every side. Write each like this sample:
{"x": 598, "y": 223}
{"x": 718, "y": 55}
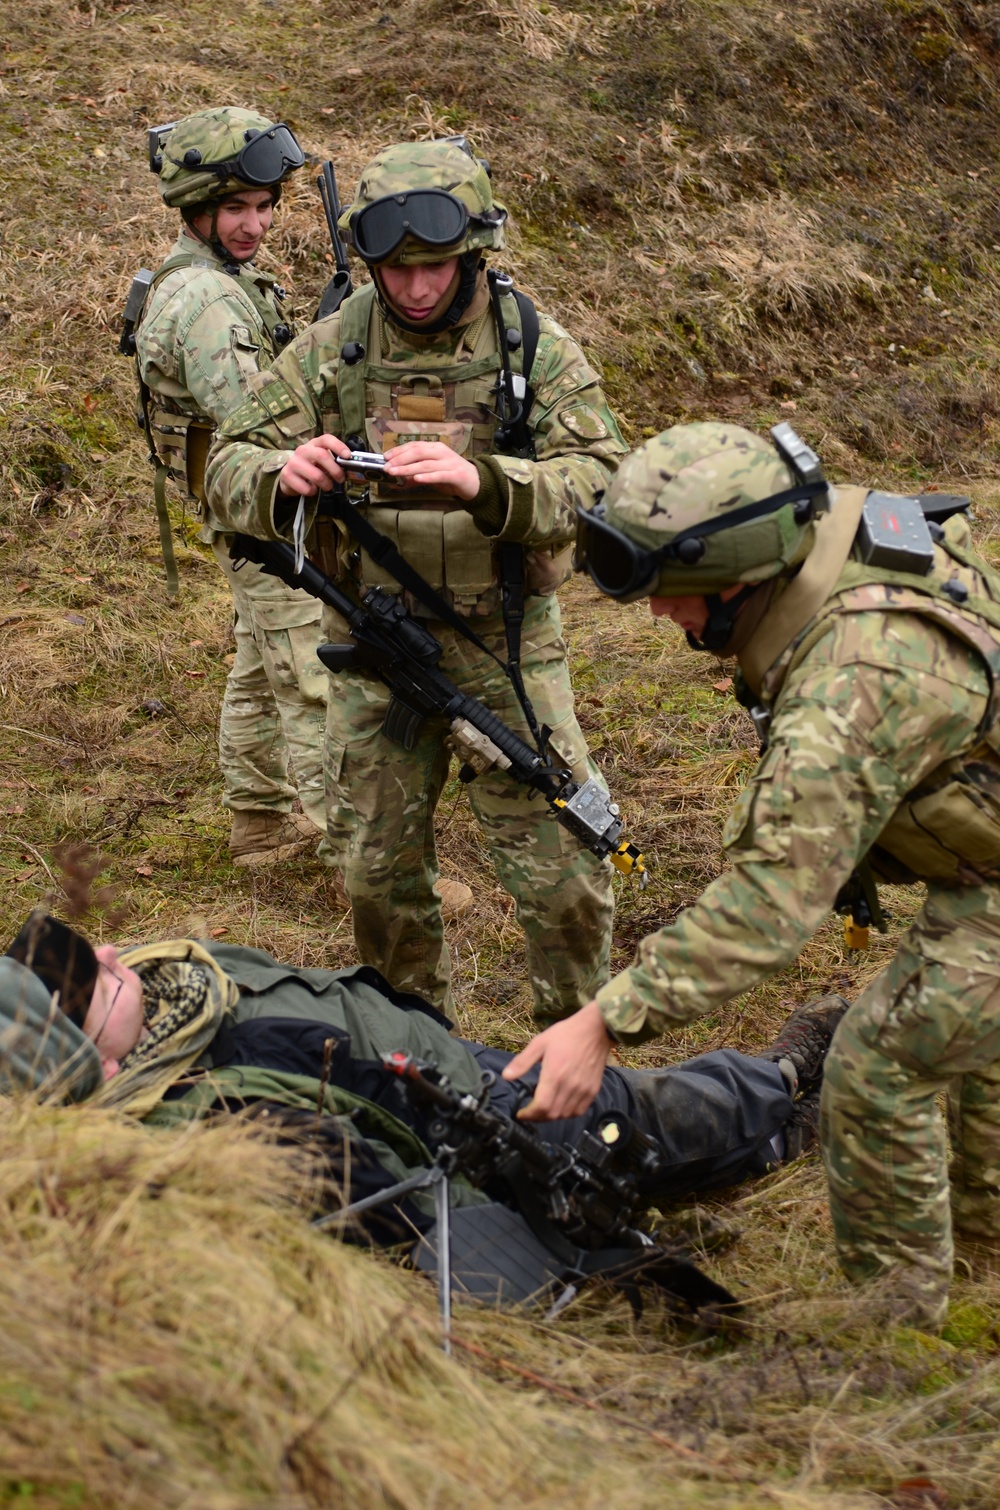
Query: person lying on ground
{"x": 168, "y": 1031}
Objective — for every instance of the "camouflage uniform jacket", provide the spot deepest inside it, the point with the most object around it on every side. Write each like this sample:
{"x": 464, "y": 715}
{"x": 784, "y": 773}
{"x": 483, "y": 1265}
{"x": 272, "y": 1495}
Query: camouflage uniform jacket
{"x": 202, "y": 339}
{"x": 576, "y": 439}
{"x": 877, "y": 702}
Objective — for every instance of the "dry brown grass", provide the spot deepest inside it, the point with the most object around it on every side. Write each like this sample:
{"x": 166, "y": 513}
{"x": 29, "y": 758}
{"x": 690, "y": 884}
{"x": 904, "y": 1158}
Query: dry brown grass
{"x": 740, "y": 211}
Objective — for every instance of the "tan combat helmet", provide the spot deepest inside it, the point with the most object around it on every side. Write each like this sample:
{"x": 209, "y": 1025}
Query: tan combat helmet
{"x": 426, "y": 202}
{"x": 214, "y": 153}
{"x": 422, "y": 202}
{"x": 699, "y": 509}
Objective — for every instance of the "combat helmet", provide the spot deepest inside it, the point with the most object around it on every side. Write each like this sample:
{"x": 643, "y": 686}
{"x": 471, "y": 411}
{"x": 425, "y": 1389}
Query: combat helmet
{"x": 699, "y": 509}
{"x": 425, "y": 202}
{"x": 214, "y": 153}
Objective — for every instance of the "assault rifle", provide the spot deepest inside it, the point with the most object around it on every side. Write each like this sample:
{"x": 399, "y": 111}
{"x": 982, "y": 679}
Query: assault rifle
{"x": 588, "y": 1194}
{"x": 578, "y": 1204}
{"x": 392, "y": 645}
{"x": 339, "y": 286}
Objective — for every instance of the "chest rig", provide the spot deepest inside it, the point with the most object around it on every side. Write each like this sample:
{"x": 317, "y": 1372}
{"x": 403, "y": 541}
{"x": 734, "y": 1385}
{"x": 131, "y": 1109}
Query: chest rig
{"x": 390, "y": 392}
{"x": 179, "y": 437}
{"x": 948, "y": 827}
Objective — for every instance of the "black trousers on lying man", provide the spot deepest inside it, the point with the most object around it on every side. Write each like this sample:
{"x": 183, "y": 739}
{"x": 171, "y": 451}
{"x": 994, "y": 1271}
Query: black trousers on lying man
{"x": 171, "y": 1031}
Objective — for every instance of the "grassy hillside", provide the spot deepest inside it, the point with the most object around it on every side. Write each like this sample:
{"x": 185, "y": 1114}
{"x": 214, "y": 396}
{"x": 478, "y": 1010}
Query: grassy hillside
{"x": 741, "y": 210}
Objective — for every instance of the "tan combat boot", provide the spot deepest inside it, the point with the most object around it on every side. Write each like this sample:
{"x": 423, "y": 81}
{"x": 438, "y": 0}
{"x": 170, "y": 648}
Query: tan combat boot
{"x": 263, "y": 838}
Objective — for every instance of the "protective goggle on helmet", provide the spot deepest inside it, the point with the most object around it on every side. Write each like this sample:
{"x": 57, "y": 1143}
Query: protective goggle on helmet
{"x": 431, "y": 216}
{"x": 623, "y": 568}
{"x": 263, "y": 161}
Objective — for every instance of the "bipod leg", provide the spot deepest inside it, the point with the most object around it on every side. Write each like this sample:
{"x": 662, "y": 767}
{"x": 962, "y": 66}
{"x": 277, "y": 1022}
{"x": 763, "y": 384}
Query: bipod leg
{"x": 442, "y": 1212}
{"x": 420, "y": 1181}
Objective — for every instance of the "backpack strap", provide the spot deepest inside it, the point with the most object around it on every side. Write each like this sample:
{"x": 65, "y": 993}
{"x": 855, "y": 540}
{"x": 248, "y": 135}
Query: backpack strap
{"x": 355, "y": 320}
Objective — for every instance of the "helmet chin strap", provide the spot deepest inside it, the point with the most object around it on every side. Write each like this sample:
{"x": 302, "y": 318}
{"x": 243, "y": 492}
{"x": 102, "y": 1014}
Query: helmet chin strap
{"x": 212, "y": 239}
{"x": 469, "y": 265}
{"x": 722, "y": 616}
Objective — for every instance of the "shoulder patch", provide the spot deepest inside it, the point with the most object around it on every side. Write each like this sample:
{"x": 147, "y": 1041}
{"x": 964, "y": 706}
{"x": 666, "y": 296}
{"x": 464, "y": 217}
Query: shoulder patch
{"x": 249, "y": 415}
{"x": 582, "y": 420}
{"x": 276, "y": 398}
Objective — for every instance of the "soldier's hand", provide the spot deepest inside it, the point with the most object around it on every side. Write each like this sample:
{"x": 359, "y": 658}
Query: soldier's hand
{"x": 313, "y": 466}
{"x": 432, "y": 464}
{"x": 573, "y": 1055}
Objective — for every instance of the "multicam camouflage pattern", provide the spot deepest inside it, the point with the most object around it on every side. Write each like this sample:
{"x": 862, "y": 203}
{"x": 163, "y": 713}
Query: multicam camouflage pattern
{"x": 200, "y": 346}
{"x": 577, "y": 440}
{"x": 219, "y": 135}
{"x": 928, "y": 1024}
{"x": 881, "y": 742}
{"x": 693, "y": 473}
{"x": 41, "y": 1050}
{"x": 577, "y": 445}
{"x": 430, "y": 165}
{"x": 382, "y": 798}
{"x": 274, "y": 705}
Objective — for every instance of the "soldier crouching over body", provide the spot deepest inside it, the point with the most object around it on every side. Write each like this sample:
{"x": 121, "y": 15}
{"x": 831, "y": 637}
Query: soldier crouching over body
{"x": 211, "y": 320}
{"x": 413, "y": 365}
{"x": 169, "y": 1031}
{"x": 869, "y": 645}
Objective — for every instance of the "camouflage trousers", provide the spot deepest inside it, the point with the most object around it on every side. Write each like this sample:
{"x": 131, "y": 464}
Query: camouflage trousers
{"x": 382, "y": 800}
{"x": 274, "y": 706}
{"x": 930, "y": 1023}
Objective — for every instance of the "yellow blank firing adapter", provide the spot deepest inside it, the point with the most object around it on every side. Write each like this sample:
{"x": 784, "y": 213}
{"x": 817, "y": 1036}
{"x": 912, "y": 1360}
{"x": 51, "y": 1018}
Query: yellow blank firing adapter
{"x": 629, "y": 860}
{"x": 856, "y": 935}
{"x": 588, "y": 812}
{"x": 858, "y": 904}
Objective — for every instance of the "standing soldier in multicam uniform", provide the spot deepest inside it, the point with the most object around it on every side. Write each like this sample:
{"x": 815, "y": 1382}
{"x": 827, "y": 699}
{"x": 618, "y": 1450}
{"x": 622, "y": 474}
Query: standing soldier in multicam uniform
{"x": 412, "y": 366}
{"x": 210, "y": 323}
{"x": 875, "y": 681}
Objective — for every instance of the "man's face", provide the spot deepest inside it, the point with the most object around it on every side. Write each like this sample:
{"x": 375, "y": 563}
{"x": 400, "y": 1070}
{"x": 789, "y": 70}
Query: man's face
{"x": 241, "y": 222}
{"x": 420, "y": 291}
{"x": 114, "y": 1020}
{"x": 690, "y": 613}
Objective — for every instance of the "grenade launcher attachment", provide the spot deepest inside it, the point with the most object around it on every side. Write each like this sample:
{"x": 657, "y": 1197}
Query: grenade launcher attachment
{"x": 395, "y": 647}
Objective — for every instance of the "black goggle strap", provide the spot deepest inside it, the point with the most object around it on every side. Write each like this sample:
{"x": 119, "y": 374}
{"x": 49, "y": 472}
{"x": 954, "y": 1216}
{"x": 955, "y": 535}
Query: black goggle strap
{"x": 646, "y": 561}
{"x": 803, "y": 492}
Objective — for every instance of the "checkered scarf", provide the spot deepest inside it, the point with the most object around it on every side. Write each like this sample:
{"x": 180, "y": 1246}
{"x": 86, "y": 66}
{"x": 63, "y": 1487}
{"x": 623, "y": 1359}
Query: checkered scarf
{"x": 185, "y": 997}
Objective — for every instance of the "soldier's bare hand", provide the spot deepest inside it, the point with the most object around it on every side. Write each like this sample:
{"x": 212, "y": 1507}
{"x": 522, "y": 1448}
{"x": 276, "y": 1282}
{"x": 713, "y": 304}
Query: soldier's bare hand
{"x": 432, "y": 464}
{"x": 313, "y": 466}
{"x": 573, "y": 1055}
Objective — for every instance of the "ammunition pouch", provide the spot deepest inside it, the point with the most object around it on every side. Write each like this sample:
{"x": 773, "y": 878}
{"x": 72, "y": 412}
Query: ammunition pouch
{"x": 181, "y": 441}
{"x": 952, "y": 832}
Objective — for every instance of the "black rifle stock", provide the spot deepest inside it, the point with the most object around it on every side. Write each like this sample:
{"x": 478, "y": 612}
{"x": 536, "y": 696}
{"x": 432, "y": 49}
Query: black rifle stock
{"x": 339, "y": 286}
{"x": 395, "y": 647}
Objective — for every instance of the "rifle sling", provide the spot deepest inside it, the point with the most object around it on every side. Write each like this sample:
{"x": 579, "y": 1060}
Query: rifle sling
{"x": 511, "y": 559}
{"x": 163, "y": 520}
{"x": 385, "y": 553}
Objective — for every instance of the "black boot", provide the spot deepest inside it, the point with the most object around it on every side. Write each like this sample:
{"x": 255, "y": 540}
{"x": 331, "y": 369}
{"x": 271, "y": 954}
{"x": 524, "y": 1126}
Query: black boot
{"x": 803, "y": 1040}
